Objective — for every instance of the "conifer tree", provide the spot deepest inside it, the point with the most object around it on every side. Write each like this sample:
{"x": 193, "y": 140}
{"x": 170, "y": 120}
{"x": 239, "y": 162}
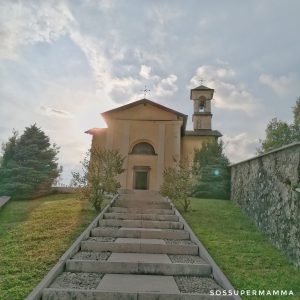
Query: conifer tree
{"x": 29, "y": 164}
{"x": 211, "y": 172}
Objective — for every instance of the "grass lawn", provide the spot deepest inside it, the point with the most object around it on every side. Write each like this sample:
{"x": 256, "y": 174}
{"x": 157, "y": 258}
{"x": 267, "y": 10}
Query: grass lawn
{"x": 246, "y": 257}
{"x": 33, "y": 235}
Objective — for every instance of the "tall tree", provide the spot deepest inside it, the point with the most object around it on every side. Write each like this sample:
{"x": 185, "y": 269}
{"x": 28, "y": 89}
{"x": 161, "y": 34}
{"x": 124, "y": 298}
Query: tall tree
{"x": 296, "y": 125}
{"x": 98, "y": 175}
{"x": 29, "y": 164}
{"x": 211, "y": 172}
{"x": 279, "y": 133}
{"x": 296, "y": 112}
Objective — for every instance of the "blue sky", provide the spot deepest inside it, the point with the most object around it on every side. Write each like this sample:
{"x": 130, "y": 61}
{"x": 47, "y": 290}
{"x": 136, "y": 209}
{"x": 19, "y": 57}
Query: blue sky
{"x": 63, "y": 62}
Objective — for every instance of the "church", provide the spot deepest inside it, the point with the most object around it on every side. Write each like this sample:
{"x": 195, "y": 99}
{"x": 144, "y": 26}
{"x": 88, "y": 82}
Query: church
{"x": 153, "y": 137}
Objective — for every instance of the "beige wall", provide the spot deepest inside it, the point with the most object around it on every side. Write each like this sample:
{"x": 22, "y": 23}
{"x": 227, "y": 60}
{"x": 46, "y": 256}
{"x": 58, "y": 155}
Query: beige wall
{"x": 190, "y": 143}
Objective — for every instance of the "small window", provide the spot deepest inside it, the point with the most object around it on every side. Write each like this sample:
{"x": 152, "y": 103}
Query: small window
{"x": 143, "y": 148}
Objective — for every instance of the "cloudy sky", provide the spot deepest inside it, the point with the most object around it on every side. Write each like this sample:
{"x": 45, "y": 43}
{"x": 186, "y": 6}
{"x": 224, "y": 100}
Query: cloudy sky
{"x": 63, "y": 62}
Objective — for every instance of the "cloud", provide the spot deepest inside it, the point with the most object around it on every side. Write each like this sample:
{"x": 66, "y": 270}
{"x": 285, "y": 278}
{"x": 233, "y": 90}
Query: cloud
{"x": 166, "y": 87}
{"x": 104, "y": 5}
{"x": 279, "y": 85}
{"x": 35, "y": 21}
{"x": 50, "y": 111}
{"x": 239, "y": 147}
{"x": 145, "y": 71}
{"x": 228, "y": 95}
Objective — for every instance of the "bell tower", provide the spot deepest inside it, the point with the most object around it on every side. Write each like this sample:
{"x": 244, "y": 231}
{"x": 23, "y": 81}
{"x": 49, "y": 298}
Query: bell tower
{"x": 202, "y": 97}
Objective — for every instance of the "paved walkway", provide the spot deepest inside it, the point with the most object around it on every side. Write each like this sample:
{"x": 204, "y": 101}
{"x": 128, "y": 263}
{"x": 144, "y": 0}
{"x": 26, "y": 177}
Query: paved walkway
{"x": 140, "y": 250}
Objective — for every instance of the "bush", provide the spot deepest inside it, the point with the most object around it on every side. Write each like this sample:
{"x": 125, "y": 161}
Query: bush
{"x": 177, "y": 185}
{"x": 98, "y": 176}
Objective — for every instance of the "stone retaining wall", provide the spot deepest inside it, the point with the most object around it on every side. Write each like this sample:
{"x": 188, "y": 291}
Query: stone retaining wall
{"x": 267, "y": 189}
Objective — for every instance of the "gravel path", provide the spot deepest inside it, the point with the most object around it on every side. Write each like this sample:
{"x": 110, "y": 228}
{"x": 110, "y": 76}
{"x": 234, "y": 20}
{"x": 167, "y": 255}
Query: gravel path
{"x": 77, "y": 280}
{"x": 193, "y": 284}
{"x": 82, "y": 255}
{"x": 179, "y": 242}
{"x": 186, "y": 259}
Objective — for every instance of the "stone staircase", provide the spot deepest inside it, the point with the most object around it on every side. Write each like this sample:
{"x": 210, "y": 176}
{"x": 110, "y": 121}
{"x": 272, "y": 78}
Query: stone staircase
{"x": 139, "y": 250}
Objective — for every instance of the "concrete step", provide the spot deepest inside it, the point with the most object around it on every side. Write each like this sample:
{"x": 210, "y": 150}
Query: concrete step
{"x": 133, "y": 210}
{"x": 142, "y": 204}
{"x": 141, "y": 223}
{"x": 76, "y": 294}
{"x": 132, "y": 216}
{"x": 92, "y": 266}
{"x": 145, "y": 233}
{"x": 92, "y": 286}
{"x": 127, "y": 245}
{"x": 143, "y": 197}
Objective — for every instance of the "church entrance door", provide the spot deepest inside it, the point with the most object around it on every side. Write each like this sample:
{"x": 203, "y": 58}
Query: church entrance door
{"x": 141, "y": 178}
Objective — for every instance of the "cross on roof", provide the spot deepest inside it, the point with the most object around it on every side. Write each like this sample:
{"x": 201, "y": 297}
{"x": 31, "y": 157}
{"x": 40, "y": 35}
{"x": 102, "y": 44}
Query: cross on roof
{"x": 201, "y": 81}
{"x": 145, "y": 90}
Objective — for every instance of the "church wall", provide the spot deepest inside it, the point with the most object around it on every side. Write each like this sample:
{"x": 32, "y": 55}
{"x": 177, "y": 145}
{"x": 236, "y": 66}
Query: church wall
{"x": 144, "y": 131}
{"x": 190, "y": 143}
{"x": 99, "y": 140}
{"x": 172, "y": 148}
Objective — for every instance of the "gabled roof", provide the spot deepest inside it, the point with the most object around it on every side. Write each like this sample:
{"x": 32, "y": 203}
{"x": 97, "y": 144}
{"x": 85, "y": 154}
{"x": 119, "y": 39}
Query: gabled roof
{"x": 202, "y": 88}
{"x": 146, "y": 101}
{"x": 143, "y": 101}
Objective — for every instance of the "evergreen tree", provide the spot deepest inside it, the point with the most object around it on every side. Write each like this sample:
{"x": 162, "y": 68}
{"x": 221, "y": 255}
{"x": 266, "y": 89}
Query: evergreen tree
{"x": 29, "y": 164}
{"x": 211, "y": 172}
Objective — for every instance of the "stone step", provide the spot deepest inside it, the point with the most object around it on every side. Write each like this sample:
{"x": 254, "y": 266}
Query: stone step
{"x": 125, "y": 245}
{"x": 141, "y": 210}
{"x": 143, "y": 197}
{"x": 76, "y": 294}
{"x": 145, "y": 233}
{"x": 131, "y": 216}
{"x": 141, "y": 223}
{"x": 92, "y": 266}
{"x": 142, "y": 204}
{"x": 93, "y": 286}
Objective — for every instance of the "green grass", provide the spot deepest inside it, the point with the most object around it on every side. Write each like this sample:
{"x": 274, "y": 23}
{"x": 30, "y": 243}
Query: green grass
{"x": 243, "y": 253}
{"x": 33, "y": 235}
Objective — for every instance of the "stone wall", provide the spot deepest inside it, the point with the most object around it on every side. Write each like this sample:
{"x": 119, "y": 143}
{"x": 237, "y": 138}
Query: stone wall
{"x": 267, "y": 189}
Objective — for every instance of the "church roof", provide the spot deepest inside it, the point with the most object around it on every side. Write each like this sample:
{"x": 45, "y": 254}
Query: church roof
{"x": 94, "y": 131}
{"x": 142, "y": 101}
{"x": 203, "y": 132}
{"x": 147, "y": 101}
{"x": 202, "y": 88}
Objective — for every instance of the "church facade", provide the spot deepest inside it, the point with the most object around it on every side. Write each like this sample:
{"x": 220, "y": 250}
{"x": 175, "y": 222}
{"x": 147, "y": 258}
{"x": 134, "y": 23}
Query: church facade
{"x": 153, "y": 137}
